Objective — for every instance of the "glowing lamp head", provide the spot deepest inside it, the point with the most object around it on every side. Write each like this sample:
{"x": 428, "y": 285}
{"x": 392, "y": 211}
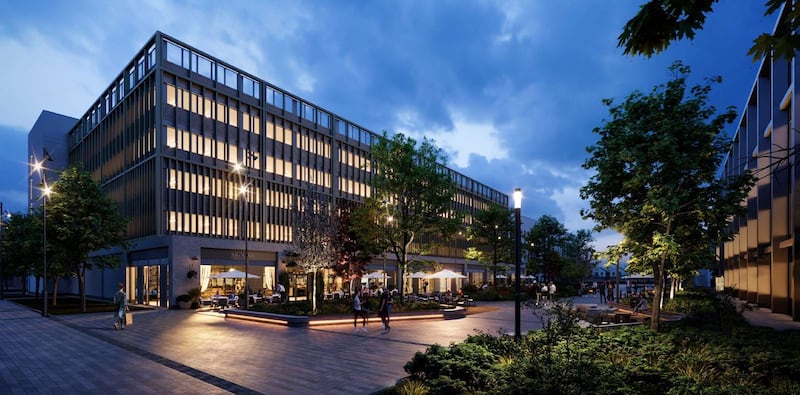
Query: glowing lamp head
{"x": 517, "y": 198}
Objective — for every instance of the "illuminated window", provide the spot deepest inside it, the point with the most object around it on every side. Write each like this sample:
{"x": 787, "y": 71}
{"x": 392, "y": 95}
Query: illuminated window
{"x": 171, "y": 95}
{"x": 233, "y": 117}
{"x": 171, "y": 137}
{"x": 208, "y": 108}
{"x": 172, "y": 182}
{"x": 220, "y": 112}
{"x": 245, "y": 121}
{"x": 185, "y": 103}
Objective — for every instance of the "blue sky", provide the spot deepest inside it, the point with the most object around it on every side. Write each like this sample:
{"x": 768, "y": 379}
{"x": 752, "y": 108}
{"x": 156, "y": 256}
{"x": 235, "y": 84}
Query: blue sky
{"x": 511, "y": 90}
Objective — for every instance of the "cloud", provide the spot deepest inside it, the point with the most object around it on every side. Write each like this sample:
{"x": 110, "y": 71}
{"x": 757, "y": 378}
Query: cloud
{"x": 461, "y": 141}
{"x": 41, "y": 72}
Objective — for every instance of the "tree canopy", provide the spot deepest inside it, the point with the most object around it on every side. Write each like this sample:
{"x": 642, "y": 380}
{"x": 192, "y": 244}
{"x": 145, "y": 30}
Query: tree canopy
{"x": 353, "y": 252}
{"x": 656, "y": 163}
{"x": 412, "y": 196}
{"x": 83, "y": 220}
{"x": 660, "y": 22}
{"x": 491, "y": 232}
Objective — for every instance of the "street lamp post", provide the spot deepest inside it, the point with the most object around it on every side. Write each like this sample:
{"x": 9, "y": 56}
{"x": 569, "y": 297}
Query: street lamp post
{"x": 2, "y": 274}
{"x": 244, "y": 189}
{"x": 46, "y": 194}
{"x": 39, "y": 167}
{"x": 517, "y": 261}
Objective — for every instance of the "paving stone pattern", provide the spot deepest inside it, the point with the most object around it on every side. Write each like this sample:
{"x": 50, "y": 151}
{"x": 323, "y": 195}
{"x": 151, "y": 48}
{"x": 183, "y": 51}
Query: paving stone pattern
{"x": 201, "y": 352}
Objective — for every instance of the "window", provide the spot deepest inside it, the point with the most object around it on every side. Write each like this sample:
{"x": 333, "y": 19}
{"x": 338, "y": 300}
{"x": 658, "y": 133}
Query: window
{"x": 151, "y": 57}
{"x": 226, "y": 76}
{"x": 308, "y": 112}
{"x": 131, "y": 78}
{"x": 251, "y": 87}
{"x": 174, "y": 54}
{"x": 202, "y": 66}
{"x": 140, "y": 68}
{"x": 324, "y": 119}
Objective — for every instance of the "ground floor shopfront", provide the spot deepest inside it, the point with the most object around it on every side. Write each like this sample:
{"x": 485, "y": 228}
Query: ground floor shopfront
{"x": 156, "y": 270}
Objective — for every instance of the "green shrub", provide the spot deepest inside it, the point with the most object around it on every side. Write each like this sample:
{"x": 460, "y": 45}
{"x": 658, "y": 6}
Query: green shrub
{"x": 489, "y": 293}
{"x": 459, "y": 368}
{"x": 684, "y": 358}
{"x": 470, "y": 289}
{"x": 411, "y": 387}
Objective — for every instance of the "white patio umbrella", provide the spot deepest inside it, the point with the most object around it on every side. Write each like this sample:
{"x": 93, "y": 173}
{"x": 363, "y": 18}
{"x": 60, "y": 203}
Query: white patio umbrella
{"x": 417, "y": 275}
{"x": 446, "y": 274}
{"x": 375, "y": 275}
{"x": 233, "y": 273}
{"x": 501, "y": 276}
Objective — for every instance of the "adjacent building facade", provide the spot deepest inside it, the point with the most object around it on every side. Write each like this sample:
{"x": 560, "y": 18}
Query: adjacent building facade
{"x": 760, "y": 262}
{"x": 173, "y": 138}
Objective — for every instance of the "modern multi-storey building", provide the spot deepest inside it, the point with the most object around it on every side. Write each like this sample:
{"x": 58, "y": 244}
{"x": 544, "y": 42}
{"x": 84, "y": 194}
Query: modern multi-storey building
{"x": 761, "y": 263}
{"x": 171, "y": 140}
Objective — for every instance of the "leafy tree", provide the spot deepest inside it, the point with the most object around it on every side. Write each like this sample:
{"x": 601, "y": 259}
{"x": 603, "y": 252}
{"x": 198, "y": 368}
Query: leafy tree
{"x": 491, "y": 232}
{"x": 353, "y": 252}
{"x": 313, "y": 237}
{"x": 578, "y": 253}
{"x": 83, "y": 220}
{"x": 660, "y": 22}
{"x": 412, "y": 196}
{"x": 545, "y": 242}
{"x": 655, "y": 180}
{"x": 22, "y": 246}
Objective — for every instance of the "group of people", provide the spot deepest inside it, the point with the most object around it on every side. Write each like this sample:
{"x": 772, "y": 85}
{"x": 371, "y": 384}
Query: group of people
{"x": 605, "y": 289}
{"x": 544, "y": 292}
{"x": 360, "y": 309}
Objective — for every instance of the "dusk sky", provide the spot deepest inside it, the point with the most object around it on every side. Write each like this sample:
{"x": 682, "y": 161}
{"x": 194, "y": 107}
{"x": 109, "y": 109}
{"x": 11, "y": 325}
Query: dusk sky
{"x": 511, "y": 90}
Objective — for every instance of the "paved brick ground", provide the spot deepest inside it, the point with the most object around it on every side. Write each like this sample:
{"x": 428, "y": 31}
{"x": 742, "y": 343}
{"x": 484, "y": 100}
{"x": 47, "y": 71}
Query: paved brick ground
{"x": 193, "y": 352}
{"x": 188, "y": 352}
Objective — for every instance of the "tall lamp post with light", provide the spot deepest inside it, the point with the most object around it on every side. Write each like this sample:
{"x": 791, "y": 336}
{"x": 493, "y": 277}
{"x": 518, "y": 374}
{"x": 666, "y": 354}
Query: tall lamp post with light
{"x": 244, "y": 189}
{"x": 38, "y": 167}
{"x": 517, "y": 260}
{"x": 2, "y": 273}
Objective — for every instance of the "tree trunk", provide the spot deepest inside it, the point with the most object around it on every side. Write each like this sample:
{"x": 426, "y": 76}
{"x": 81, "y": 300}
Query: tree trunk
{"x": 82, "y": 290}
{"x": 55, "y": 291}
{"x": 314, "y": 292}
{"x": 672, "y": 288}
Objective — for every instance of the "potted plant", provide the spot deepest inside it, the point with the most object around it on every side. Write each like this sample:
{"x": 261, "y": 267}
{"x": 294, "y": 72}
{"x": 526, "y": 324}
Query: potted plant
{"x": 184, "y": 301}
{"x": 194, "y": 295}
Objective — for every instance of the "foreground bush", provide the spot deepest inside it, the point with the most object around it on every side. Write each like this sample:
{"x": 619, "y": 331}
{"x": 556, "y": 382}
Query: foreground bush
{"x": 710, "y": 353}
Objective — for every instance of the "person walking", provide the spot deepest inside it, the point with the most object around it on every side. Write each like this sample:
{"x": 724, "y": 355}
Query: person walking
{"x": 359, "y": 310}
{"x": 386, "y": 310}
{"x": 602, "y": 291}
{"x": 552, "y": 291}
{"x": 282, "y": 292}
{"x": 610, "y": 291}
{"x": 121, "y": 304}
{"x": 545, "y": 291}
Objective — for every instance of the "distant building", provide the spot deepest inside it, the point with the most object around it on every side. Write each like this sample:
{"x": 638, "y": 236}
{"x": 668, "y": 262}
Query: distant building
{"x": 163, "y": 138}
